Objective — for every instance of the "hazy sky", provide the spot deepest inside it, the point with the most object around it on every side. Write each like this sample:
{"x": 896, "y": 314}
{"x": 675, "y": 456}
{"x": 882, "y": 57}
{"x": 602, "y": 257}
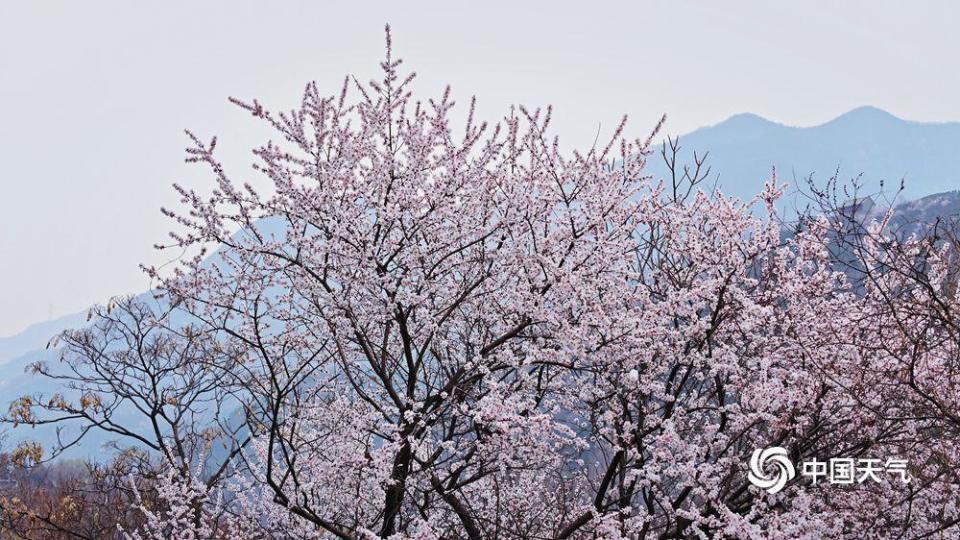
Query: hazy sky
{"x": 95, "y": 94}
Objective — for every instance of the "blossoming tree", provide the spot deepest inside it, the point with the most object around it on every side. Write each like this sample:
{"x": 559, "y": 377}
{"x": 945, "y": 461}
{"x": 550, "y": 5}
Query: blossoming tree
{"x": 471, "y": 333}
{"x": 478, "y": 334}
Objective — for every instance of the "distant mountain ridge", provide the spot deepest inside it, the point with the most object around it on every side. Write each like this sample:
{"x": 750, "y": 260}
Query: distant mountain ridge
{"x": 744, "y": 149}
{"x": 36, "y": 336}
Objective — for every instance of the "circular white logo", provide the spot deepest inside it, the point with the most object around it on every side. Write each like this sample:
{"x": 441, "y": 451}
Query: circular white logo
{"x": 758, "y": 463}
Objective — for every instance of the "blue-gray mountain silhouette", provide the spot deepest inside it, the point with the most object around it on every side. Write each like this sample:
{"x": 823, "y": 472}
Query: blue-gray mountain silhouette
{"x": 745, "y": 148}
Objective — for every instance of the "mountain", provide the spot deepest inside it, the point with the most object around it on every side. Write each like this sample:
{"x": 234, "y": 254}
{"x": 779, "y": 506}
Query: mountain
{"x": 926, "y": 210}
{"x": 36, "y": 336}
{"x": 744, "y": 149}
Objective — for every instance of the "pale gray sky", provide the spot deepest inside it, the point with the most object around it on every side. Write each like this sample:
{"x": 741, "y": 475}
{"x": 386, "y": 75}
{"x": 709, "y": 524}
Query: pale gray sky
{"x": 95, "y": 94}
